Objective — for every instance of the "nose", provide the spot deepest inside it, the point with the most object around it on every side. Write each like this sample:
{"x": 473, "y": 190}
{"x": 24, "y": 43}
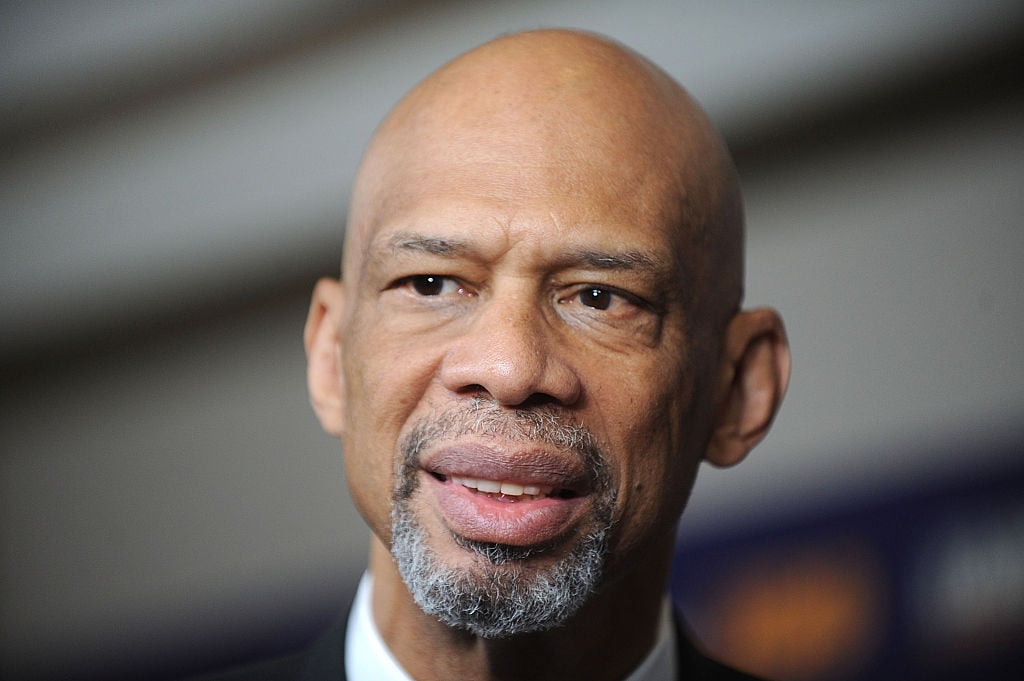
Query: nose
{"x": 510, "y": 352}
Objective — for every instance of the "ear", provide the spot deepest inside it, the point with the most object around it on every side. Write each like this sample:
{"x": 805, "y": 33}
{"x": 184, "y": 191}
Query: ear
{"x": 322, "y": 339}
{"x": 752, "y": 379}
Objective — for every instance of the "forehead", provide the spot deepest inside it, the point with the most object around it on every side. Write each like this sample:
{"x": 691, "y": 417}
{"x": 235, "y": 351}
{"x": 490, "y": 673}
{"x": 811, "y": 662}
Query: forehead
{"x": 502, "y": 189}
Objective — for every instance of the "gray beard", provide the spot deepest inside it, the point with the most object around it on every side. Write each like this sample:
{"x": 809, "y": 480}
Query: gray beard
{"x": 502, "y": 594}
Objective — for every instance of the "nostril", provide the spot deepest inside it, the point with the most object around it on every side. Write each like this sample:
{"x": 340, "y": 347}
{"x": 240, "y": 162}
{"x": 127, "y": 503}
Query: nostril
{"x": 474, "y": 390}
{"x": 540, "y": 400}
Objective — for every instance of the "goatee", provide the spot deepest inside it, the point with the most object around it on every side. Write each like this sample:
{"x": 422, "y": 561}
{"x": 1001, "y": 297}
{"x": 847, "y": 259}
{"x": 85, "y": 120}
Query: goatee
{"x": 507, "y": 590}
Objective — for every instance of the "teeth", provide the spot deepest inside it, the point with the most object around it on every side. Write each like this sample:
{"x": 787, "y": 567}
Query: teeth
{"x": 511, "y": 489}
{"x": 489, "y": 486}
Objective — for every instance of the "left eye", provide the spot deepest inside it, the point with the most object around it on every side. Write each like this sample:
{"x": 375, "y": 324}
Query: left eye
{"x": 596, "y": 298}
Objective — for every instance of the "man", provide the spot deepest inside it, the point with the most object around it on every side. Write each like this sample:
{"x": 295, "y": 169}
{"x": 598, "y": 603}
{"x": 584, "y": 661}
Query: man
{"x": 536, "y": 340}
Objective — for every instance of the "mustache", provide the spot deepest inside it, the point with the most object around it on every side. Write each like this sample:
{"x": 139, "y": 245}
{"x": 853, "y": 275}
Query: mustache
{"x": 548, "y": 424}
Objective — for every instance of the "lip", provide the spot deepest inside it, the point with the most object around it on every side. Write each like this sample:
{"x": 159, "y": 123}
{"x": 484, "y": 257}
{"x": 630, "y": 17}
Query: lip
{"x": 515, "y": 521}
{"x": 535, "y": 465}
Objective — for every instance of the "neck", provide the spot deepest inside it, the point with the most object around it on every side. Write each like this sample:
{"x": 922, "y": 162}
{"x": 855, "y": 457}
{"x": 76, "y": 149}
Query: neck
{"x": 604, "y": 641}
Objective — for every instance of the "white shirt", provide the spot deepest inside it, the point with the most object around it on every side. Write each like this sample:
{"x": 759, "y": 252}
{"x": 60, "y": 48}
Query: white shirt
{"x": 367, "y": 657}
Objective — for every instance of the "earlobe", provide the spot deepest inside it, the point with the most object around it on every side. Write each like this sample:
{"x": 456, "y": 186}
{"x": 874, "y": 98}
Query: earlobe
{"x": 322, "y": 340}
{"x": 753, "y": 378}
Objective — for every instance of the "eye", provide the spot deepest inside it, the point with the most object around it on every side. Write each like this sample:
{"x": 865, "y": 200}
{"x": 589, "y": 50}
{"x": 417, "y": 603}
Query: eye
{"x": 428, "y": 285}
{"x": 434, "y": 285}
{"x": 596, "y": 298}
{"x": 611, "y": 302}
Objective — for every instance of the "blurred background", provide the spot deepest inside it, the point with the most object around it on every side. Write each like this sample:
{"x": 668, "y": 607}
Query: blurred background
{"x": 174, "y": 178}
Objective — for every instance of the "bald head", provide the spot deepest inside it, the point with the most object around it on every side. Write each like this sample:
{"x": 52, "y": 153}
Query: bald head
{"x": 576, "y": 114}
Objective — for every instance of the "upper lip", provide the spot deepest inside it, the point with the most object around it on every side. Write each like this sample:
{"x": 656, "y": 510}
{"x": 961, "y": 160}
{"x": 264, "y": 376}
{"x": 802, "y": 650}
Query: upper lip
{"x": 534, "y": 464}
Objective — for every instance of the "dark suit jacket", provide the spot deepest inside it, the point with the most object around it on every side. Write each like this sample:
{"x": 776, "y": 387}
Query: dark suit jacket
{"x": 324, "y": 660}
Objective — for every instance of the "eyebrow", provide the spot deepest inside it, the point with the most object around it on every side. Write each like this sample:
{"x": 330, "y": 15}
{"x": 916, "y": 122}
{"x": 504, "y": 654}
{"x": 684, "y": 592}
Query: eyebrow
{"x": 432, "y": 245}
{"x": 601, "y": 260}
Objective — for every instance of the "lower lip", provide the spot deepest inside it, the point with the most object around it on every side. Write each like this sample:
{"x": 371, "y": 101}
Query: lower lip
{"x": 515, "y": 522}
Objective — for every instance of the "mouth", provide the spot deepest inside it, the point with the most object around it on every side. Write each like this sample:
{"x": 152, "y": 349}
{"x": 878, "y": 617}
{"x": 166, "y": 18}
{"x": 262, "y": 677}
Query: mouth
{"x": 507, "y": 491}
{"x": 524, "y": 499}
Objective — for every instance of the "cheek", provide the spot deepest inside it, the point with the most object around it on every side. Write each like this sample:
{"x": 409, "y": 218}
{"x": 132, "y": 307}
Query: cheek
{"x": 385, "y": 382}
{"x": 369, "y": 487}
{"x": 387, "y": 376}
{"x": 656, "y": 463}
{"x": 652, "y": 459}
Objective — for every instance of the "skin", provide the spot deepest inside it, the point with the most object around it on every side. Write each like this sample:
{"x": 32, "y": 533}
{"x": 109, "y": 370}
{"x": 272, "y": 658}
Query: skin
{"x": 525, "y": 173}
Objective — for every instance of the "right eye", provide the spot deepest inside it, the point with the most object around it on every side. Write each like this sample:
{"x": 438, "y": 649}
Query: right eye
{"x": 434, "y": 285}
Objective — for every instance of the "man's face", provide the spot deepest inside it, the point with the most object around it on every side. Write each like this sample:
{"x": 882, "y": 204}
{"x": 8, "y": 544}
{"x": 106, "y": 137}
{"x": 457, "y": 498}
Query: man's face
{"x": 517, "y": 365}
